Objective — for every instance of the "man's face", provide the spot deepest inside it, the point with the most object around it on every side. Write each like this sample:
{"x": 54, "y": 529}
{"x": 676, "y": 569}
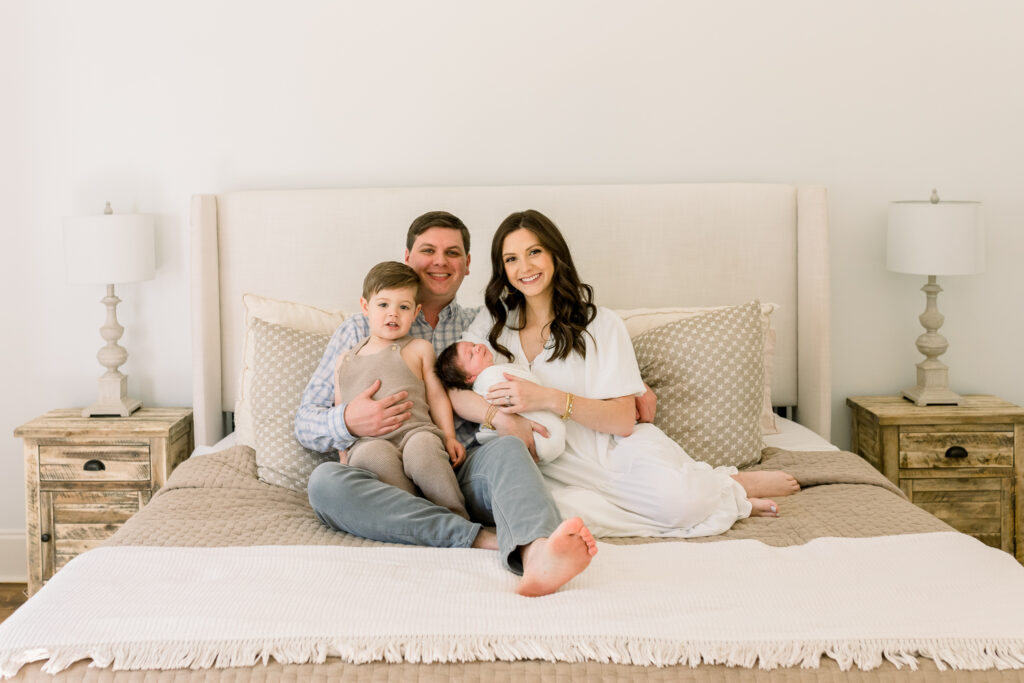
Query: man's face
{"x": 440, "y": 259}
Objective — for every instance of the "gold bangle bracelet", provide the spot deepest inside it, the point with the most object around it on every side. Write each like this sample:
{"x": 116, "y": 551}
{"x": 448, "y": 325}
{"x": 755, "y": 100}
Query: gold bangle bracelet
{"x": 569, "y": 398}
{"x": 491, "y": 412}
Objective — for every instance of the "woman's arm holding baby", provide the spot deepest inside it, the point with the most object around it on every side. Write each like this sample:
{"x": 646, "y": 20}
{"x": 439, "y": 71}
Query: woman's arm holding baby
{"x": 472, "y": 407}
{"x": 646, "y": 405}
{"x": 612, "y": 415}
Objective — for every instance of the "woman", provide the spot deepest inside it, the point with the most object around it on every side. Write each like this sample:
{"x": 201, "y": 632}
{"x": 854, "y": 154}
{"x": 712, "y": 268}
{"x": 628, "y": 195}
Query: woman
{"x": 623, "y": 479}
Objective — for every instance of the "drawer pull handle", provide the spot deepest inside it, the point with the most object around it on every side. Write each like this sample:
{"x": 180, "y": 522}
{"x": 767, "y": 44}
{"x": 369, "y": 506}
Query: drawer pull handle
{"x": 956, "y": 452}
{"x": 97, "y": 466}
{"x": 45, "y": 538}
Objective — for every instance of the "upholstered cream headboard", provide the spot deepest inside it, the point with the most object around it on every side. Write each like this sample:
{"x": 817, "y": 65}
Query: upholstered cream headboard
{"x": 638, "y": 245}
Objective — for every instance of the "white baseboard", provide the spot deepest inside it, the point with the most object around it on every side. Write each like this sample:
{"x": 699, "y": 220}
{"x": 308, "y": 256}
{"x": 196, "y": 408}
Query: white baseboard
{"x": 13, "y": 561}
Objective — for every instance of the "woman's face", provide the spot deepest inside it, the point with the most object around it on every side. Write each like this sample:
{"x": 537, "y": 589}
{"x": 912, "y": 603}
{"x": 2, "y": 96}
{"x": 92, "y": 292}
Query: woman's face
{"x": 528, "y": 265}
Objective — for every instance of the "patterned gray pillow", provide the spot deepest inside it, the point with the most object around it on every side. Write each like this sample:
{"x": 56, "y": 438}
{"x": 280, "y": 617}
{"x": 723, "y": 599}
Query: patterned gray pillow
{"x": 284, "y": 360}
{"x": 708, "y": 374}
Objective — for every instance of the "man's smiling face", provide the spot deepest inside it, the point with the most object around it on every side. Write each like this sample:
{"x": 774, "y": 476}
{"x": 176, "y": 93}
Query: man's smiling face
{"x": 439, "y": 257}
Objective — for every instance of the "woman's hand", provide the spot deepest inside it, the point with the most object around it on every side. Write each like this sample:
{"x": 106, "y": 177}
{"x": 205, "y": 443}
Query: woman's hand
{"x": 646, "y": 405}
{"x": 518, "y": 395}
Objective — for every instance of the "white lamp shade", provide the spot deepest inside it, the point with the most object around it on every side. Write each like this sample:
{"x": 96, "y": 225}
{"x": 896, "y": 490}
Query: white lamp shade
{"x": 109, "y": 249}
{"x": 944, "y": 238}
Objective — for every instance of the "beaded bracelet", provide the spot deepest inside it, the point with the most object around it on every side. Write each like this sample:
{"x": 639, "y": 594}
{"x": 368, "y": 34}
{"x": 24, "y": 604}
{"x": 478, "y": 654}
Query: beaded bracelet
{"x": 569, "y": 398}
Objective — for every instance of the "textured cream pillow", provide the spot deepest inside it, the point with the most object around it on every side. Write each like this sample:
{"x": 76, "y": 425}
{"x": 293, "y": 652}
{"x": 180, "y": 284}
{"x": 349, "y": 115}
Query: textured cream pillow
{"x": 639, "y": 320}
{"x": 708, "y": 373}
{"x": 284, "y": 359}
{"x": 278, "y": 312}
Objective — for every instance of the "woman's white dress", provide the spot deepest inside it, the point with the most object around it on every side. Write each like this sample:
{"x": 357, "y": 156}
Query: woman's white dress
{"x": 640, "y": 485}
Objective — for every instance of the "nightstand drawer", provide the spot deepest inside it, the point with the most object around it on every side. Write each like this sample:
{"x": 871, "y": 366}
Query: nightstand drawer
{"x": 974, "y": 506}
{"x": 113, "y": 462}
{"x": 81, "y": 520}
{"x": 943, "y": 449}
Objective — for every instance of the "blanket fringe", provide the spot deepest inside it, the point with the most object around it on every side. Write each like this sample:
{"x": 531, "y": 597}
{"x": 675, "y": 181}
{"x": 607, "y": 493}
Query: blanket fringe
{"x": 962, "y": 654}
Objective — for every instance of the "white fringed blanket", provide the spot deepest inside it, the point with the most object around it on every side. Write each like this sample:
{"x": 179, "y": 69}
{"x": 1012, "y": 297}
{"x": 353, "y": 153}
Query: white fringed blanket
{"x": 943, "y": 595}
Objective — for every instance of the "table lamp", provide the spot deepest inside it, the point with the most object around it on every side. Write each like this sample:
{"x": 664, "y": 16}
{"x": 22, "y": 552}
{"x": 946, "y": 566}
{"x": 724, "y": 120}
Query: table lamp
{"x": 110, "y": 249}
{"x": 934, "y": 238}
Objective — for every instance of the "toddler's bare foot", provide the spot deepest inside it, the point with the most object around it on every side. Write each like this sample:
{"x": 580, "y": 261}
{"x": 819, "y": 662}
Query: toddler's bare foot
{"x": 486, "y": 540}
{"x": 549, "y": 563}
{"x": 767, "y": 483}
{"x": 762, "y": 507}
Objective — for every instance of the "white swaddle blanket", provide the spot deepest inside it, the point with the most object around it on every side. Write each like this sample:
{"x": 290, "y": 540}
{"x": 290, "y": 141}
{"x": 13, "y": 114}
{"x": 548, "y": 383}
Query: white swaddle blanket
{"x": 548, "y": 447}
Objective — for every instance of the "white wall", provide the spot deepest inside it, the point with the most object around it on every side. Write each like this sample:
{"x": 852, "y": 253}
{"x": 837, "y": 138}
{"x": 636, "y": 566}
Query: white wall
{"x": 144, "y": 104}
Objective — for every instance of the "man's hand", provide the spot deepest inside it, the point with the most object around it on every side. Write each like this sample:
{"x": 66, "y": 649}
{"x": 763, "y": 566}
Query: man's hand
{"x": 646, "y": 405}
{"x": 366, "y": 416}
{"x": 519, "y": 427}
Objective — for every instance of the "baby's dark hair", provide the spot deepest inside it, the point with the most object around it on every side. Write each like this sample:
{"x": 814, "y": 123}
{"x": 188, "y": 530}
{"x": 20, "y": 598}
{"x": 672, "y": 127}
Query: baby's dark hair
{"x": 448, "y": 370}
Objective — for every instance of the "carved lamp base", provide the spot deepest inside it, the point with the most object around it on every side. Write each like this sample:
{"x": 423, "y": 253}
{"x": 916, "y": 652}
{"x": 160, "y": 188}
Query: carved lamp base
{"x": 932, "y": 396}
{"x": 112, "y": 409}
{"x": 932, "y": 374}
{"x": 113, "y": 398}
{"x": 113, "y": 384}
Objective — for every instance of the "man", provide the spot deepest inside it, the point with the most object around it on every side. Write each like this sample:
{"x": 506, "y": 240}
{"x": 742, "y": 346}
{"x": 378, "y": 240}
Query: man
{"x": 499, "y": 480}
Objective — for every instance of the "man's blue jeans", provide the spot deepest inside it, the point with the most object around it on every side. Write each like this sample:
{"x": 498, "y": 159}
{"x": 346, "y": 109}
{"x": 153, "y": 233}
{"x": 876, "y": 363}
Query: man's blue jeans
{"x": 501, "y": 483}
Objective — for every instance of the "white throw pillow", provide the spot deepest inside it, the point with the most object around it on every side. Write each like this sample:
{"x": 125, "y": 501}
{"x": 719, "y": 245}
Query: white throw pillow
{"x": 277, "y": 312}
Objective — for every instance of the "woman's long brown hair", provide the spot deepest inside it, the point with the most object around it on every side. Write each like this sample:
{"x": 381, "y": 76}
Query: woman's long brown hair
{"x": 572, "y": 301}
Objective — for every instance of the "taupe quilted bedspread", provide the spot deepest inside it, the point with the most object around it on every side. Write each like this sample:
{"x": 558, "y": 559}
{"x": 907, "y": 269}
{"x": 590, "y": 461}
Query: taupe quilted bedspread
{"x": 216, "y": 500}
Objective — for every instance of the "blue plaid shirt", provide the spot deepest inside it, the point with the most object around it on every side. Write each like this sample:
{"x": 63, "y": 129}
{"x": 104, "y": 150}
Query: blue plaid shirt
{"x": 320, "y": 425}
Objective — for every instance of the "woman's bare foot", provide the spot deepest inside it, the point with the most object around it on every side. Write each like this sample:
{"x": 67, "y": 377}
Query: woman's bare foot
{"x": 762, "y": 507}
{"x": 549, "y": 563}
{"x": 486, "y": 540}
{"x": 767, "y": 483}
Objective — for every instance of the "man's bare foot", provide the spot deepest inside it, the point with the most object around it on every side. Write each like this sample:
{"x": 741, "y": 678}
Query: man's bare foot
{"x": 486, "y": 540}
{"x": 549, "y": 563}
{"x": 767, "y": 483}
{"x": 762, "y": 507}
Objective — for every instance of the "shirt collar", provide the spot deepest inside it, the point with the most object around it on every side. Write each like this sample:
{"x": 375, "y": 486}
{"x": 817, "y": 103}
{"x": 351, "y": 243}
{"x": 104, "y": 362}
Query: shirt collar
{"x": 446, "y": 313}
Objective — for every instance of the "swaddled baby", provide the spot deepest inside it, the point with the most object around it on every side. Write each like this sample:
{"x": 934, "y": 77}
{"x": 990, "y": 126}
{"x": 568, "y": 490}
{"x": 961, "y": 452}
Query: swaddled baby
{"x": 465, "y": 365}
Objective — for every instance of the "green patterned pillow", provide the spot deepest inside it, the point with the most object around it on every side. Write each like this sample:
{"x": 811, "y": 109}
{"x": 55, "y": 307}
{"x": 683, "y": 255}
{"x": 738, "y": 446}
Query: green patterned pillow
{"x": 284, "y": 360}
{"x": 708, "y": 374}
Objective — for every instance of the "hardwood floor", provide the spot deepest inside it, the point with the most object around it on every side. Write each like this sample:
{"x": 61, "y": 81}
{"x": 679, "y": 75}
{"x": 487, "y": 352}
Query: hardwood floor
{"x": 11, "y": 597}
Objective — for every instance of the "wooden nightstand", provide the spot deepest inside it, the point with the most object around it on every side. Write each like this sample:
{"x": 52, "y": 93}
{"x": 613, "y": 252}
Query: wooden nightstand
{"x": 960, "y": 463}
{"x": 85, "y": 476}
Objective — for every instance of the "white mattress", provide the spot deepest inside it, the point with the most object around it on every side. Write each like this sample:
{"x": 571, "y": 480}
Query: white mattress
{"x": 227, "y": 442}
{"x": 791, "y": 437}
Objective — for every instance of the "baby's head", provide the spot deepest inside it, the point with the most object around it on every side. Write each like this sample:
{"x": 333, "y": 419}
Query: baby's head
{"x": 459, "y": 365}
{"x": 389, "y": 299}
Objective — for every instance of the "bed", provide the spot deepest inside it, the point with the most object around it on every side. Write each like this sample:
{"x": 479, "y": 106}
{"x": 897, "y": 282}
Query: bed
{"x": 226, "y": 577}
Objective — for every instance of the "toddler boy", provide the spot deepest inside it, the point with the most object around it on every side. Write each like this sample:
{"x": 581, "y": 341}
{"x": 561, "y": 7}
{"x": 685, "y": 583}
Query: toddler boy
{"x": 421, "y": 453}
